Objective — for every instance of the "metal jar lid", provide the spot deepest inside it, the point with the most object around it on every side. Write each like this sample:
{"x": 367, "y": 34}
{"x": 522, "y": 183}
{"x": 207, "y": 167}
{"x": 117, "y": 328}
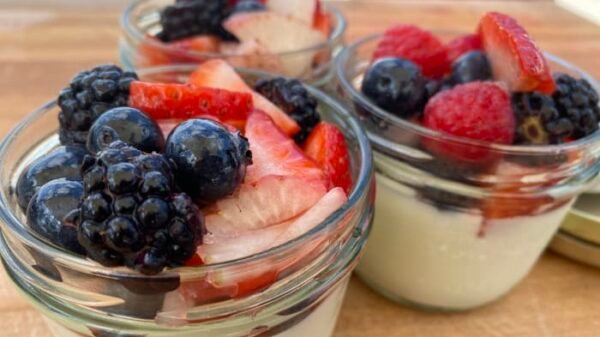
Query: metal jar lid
{"x": 579, "y": 235}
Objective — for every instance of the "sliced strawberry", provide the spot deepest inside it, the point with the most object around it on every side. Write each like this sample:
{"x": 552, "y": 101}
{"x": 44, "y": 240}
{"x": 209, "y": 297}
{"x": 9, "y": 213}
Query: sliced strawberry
{"x": 155, "y": 53}
{"x": 219, "y": 74}
{"x": 302, "y": 10}
{"x": 327, "y": 146}
{"x": 280, "y": 34}
{"x": 514, "y": 56}
{"x": 250, "y": 279}
{"x": 167, "y": 125}
{"x": 184, "y": 101}
{"x": 274, "y": 153}
{"x": 269, "y": 201}
{"x": 323, "y": 23}
{"x": 462, "y": 44}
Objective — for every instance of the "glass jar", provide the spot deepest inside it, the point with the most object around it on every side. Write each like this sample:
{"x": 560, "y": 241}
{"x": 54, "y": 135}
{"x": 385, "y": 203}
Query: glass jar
{"x": 140, "y": 22}
{"x": 455, "y": 232}
{"x": 286, "y": 291}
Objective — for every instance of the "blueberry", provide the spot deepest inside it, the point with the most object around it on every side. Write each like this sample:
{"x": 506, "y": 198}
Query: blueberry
{"x": 48, "y": 209}
{"x": 63, "y": 162}
{"x": 395, "y": 85}
{"x": 210, "y": 160}
{"x": 129, "y": 125}
{"x": 245, "y": 6}
{"x": 472, "y": 66}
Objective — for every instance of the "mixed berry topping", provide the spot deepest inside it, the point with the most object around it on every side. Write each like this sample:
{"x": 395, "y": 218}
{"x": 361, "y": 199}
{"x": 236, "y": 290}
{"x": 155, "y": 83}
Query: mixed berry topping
{"x": 256, "y": 32}
{"x": 494, "y": 86}
{"x": 293, "y": 98}
{"x": 174, "y": 162}
{"x": 188, "y": 18}
{"x": 90, "y": 94}
{"x": 132, "y": 214}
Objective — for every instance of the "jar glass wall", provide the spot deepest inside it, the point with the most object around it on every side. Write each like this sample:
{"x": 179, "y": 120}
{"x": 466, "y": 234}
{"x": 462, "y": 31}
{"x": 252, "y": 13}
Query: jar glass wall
{"x": 457, "y": 232}
{"x": 293, "y": 288}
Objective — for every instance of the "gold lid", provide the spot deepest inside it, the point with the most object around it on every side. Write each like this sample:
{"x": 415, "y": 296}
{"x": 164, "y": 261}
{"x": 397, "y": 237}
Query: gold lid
{"x": 579, "y": 235}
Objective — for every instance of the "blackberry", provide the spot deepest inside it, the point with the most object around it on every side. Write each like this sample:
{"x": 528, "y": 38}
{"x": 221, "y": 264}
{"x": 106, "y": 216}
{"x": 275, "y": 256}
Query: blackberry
{"x": 396, "y": 85}
{"x": 131, "y": 213}
{"x": 293, "y": 98}
{"x": 187, "y": 18}
{"x": 538, "y": 120}
{"x": 89, "y": 95}
{"x": 577, "y": 100}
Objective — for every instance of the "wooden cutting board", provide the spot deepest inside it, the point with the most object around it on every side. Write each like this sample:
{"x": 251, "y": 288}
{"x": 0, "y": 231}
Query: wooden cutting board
{"x": 41, "y": 49}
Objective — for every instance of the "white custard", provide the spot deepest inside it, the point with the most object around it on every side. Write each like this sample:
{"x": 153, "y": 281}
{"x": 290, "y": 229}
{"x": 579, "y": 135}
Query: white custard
{"x": 436, "y": 258}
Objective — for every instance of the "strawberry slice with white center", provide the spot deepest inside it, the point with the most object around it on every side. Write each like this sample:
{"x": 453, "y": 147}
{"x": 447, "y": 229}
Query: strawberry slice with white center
{"x": 269, "y": 201}
{"x": 274, "y": 153}
{"x": 219, "y": 74}
{"x": 303, "y": 10}
{"x": 514, "y": 56}
{"x": 279, "y": 34}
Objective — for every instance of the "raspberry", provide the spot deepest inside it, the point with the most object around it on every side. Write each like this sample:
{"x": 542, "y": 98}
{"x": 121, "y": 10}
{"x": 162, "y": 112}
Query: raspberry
{"x": 463, "y": 44}
{"x": 291, "y": 97}
{"x": 476, "y": 110}
{"x": 417, "y": 45}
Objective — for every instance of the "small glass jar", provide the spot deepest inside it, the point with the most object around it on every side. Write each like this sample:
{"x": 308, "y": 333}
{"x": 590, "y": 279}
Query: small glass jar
{"x": 452, "y": 232}
{"x": 294, "y": 291}
{"x": 140, "y": 22}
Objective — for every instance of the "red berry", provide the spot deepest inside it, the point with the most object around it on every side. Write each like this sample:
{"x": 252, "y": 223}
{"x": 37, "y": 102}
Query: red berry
{"x": 327, "y": 146}
{"x": 514, "y": 56}
{"x": 476, "y": 110}
{"x": 463, "y": 44}
{"x": 184, "y": 101}
{"x": 417, "y": 45}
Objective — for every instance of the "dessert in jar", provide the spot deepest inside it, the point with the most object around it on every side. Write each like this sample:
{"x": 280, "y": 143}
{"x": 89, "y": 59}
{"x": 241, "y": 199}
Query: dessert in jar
{"x": 222, "y": 203}
{"x": 296, "y": 38}
{"x": 481, "y": 145}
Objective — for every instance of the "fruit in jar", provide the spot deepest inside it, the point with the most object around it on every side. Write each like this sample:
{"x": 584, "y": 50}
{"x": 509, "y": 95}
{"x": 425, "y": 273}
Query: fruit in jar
{"x": 62, "y": 162}
{"x": 294, "y": 99}
{"x": 220, "y": 75}
{"x": 462, "y": 45}
{"x": 128, "y": 125}
{"x": 478, "y": 111}
{"x": 327, "y": 146}
{"x": 273, "y": 31}
{"x": 515, "y": 58}
{"x": 397, "y": 85}
{"x": 182, "y": 101}
{"x": 90, "y": 94}
{"x": 131, "y": 213}
{"x": 470, "y": 67}
{"x": 210, "y": 160}
{"x": 49, "y": 208}
{"x": 417, "y": 45}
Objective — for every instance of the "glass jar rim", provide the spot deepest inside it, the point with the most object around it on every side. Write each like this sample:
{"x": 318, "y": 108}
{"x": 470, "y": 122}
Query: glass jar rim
{"x": 132, "y": 30}
{"x": 346, "y": 84}
{"x": 361, "y": 186}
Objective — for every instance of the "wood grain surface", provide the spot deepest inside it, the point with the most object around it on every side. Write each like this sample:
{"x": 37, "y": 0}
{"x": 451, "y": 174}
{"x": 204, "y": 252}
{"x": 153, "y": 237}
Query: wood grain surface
{"x": 42, "y": 48}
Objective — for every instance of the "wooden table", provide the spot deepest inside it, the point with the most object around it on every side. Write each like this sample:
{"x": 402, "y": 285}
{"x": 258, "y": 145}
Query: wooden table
{"x": 40, "y": 50}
